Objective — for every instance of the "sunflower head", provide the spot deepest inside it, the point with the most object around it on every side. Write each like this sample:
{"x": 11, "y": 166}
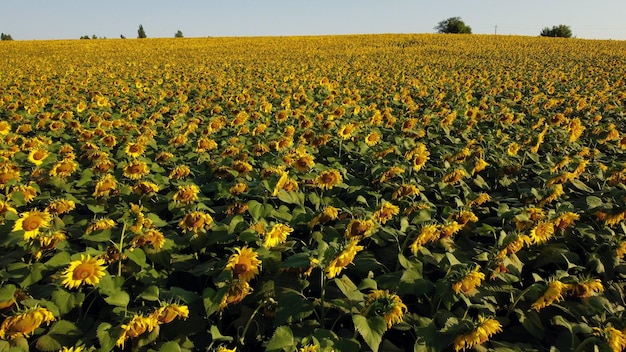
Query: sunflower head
{"x": 328, "y": 179}
{"x": 25, "y": 323}
{"x": 385, "y": 304}
{"x": 32, "y": 222}
{"x": 86, "y": 270}
{"x": 244, "y": 264}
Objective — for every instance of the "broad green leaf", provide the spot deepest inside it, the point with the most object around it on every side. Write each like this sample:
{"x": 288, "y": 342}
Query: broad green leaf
{"x": 48, "y": 343}
{"x": 291, "y": 308}
{"x": 216, "y": 335}
{"x": 581, "y": 186}
{"x": 118, "y": 299}
{"x": 348, "y": 288}
{"x": 371, "y": 329}
{"x": 137, "y": 256}
{"x": 7, "y": 293}
{"x": 151, "y": 293}
{"x": 66, "y": 301}
{"x": 58, "y": 260}
{"x": 282, "y": 339}
{"x": 594, "y": 202}
{"x": 107, "y": 342}
{"x": 170, "y": 346}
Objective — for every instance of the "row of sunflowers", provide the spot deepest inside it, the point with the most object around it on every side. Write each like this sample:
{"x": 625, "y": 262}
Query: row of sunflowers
{"x": 342, "y": 193}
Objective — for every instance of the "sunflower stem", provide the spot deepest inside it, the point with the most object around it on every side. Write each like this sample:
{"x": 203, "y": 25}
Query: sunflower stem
{"x": 245, "y": 329}
{"x": 322, "y": 300}
{"x": 119, "y": 249}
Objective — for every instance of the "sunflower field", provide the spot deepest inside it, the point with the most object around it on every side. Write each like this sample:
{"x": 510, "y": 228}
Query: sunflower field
{"x": 324, "y": 193}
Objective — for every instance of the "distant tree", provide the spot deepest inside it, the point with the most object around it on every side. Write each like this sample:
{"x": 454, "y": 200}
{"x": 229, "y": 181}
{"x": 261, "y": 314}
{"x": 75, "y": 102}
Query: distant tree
{"x": 84, "y": 37}
{"x": 453, "y": 25}
{"x": 561, "y": 31}
{"x": 178, "y": 34}
{"x": 141, "y": 33}
{"x": 5, "y": 37}
{"x": 94, "y": 37}
{"x": 122, "y": 36}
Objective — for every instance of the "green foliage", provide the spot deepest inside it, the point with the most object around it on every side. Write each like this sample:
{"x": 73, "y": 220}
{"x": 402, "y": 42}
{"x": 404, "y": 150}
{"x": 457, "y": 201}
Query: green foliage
{"x": 561, "y": 31}
{"x": 453, "y": 25}
{"x": 178, "y": 34}
{"x": 5, "y": 36}
{"x": 141, "y": 33}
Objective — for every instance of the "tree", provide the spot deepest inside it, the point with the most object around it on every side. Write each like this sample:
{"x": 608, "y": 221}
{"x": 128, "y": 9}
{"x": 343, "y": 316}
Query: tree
{"x": 178, "y": 34}
{"x": 4, "y": 36}
{"x": 453, "y": 25}
{"x": 561, "y": 31}
{"x": 141, "y": 33}
{"x": 84, "y": 37}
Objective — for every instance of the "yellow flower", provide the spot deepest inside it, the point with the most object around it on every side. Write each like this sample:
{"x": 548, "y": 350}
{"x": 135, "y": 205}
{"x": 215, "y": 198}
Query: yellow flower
{"x": 136, "y": 170}
{"x": 309, "y": 348}
{"x": 480, "y": 165}
{"x": 420, "y": 157}
{"x": 105, "y": 186}
{"x": 329, "y": 213}
{"x": 25, "y": 323}
{"x": 346, "y": 131}
{"x": 277, "y": 235}
{"x": 542, "y": 232}
{"x": 100, "y": 225}
{"x": 587, "y": 287}
{"x": 28, "y": 192}
{"x": 359, "y": 229}
{"x": 238, "y": 188}
{"x": 186, "y": 194}
{"x": 386, "y": 212}
{"x": 236, "y": 292}
{"x": 513, "y": 149}
{"x": 170, "y": 312}
{"x": 480, "y": 199}
{"x": 5, "y": 207}
{"x": 554, "y": 293}
{"x": 64, "y": 168}
{"x": 557, "y": 191}
{"x": 224, "y": 349}
{"x": 429, "y": 233}
{"x": 615, "y": 338}
{"x": 454, "y": 176}
{"x": 328, "y": 179}
{"x": 179, "y": 172}
{"x": 7, "y": 174}
{"x": 282, "y": 181}
{"x": 196, "y": 222}
{"x": 481, "y": 334}
{"x": 449, "y": 229}
{"x": 31, "y": 222}
{"x": 134, "y": 150}
{"x": 72, "y": 349}
{"x": 61, "y": 206}
{"x": 405, "y": 190}
{"x": 145, "y": 187}
{"x": 37, "y": 155}
{"x": 468, "y": 283}
{"x": 388, "y": 305}
{"x": 152, "y": 237}
{"x": 138, "y": 325}
{"x": 244, "y": 264}
{"x": 565, "y": 220}
{"x": 86, "y": 270}
{"x": 372, "y": 138}
{"x": 343, "y": 259}
{"x": 304, "y": 163}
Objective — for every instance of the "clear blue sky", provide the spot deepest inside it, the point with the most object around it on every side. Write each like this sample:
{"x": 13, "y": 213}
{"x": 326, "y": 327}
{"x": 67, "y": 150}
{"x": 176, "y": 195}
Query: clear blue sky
{"x": 69, "y": 19}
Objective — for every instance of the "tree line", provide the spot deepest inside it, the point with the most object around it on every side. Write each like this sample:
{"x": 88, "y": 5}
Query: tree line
{"x": 456, "y": 25}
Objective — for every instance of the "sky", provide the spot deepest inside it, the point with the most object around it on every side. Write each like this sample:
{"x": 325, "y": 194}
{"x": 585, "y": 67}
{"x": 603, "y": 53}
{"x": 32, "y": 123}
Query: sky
{"x": 70, "y": 19}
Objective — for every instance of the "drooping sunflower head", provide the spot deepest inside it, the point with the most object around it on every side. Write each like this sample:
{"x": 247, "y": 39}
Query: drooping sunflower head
{"x": 138, "y": 325}
{"x": 236, "y": 292}
{"x": 136, "y": 169}
{"x": 32, "y": 222}
{"x": 86, "y": 270}
{"x": 276, "y": 235}
{"x": 180, "y": 172}
{"x": 244, "y": 264}
{"x": 385, "y": 304}
{"x": 196, "y": 222}
{"x": 25, "y": 323}
{"x": 345, "y": 257}
{"x": 358, "y": 228}
{"x": 304, "y": 162}
{"x": 167, "y": 313}
{"x": 469, "y": 282}
{"x": 64, "y": 168}
{"x": 61, "y": 206}
{"x": 386, "y": 212}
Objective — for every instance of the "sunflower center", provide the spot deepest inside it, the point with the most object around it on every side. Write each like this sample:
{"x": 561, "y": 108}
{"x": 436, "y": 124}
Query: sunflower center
{"x": 39, "y": 155}
{"x": 65, "y": 167}
{"x": 134, "y": 148}
{"x": 83, "y": 271}
{"x": 240, "y": 268}
{"x": 32, "y": 222}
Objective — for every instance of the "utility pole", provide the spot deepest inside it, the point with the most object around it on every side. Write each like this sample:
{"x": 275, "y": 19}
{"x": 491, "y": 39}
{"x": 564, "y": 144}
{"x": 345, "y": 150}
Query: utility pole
{"x": 496, "y": 32}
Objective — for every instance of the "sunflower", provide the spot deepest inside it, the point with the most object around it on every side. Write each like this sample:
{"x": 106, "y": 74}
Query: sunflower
{"x": 100, "y": 225}
{"x": 429, "y": 233}
{"x": 420, "y": 156}
{"x": 343, "y": 259}
{"x": 565, "y": 220}
{"x": 387, "y": 304}
{"x": 480, "y": 199}
{"x": 136, "y": 170}
{"x": 328, "y": 179}
{"x": 587, "y": 287}
{"x": 329, "y": 213}
{"x": 7, "y": 174}
{"x": 242, "y": 167}
{"x": 276, "y": 235}
{"x": 179, "y": 172}
{"x": 480, "y": 165}
{"x": 304, "y": 163}
{"x": 134, "y": 150}
{"x": 481, "y": 333}
{"x": 542, "y": 232}
{"x": 186, "y": 194}
{"x": 5, "y": 128}
{"x": 37, "y": 155}
{"x": 105, "y": 186}
{"x": 346, "y": 131}
{"x": 61, "y": 206}
{"x": 86, "y": 270}
{"x": 170, "y": 312}
{"x": 152, "y": 237}
{"x": 238, "y": 188}
{"x": 72, "y": 349}
{"x": 236, "y": 293}
{"x": 63, "y": 168}
{"x": 28, "y": 192}
{"x": 244, "y": 264}
{"x": 469, "y": 282}
{"x": 454, "y": 176}
{"x": 359, "y": 229}
{"x": 372, "y": 138}
{"x": 49, "y": 241}
{"x": 405, "y": 190}
{"x": 138, "y": 325}
{"x": 5, "y": 207}
{"x": 553, "y": 293}
{"x": 25, "y": 323}
{"x": 31, "y": 222}
{"x": 282, "y": 180}
{"x": 196, "y": 222}
{"x": 145, "y": 188}
{"x": 386, "y": 212}
{"x": 615, "y": 338}
{"x": 103, "y": 166}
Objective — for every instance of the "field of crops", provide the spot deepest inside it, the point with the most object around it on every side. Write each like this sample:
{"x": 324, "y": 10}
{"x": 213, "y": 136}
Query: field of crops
{"x": 344, "y": 193}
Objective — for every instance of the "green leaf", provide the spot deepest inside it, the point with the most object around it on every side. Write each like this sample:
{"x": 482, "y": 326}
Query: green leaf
{"x": 107, "y": 342}
{"x": 7, "y": 293}
{"x": 349, "y": 289}
{"x": 594, "y": 202}
{"x": 66, "y": 301}
{"x": 292, "y": 307}
{"x": 170, "y": 346}
{"x": 299, "y": 260}
{"x": 216, "y": 335}
{"x": 118, "y": 299}
{"x": 281, "y": 340}
{"x": 58, "y": 260}
{"x": 156, "y": 220}
{"x": 86, "y": 175}
{"x": 47, "y": 343}
{"x": 371, "y": 329}
{"x": 137, "y": 256}
{"x": 581, "y": 186}
{"x": 151, "y": 293}
{"x": 531, "y": 322}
